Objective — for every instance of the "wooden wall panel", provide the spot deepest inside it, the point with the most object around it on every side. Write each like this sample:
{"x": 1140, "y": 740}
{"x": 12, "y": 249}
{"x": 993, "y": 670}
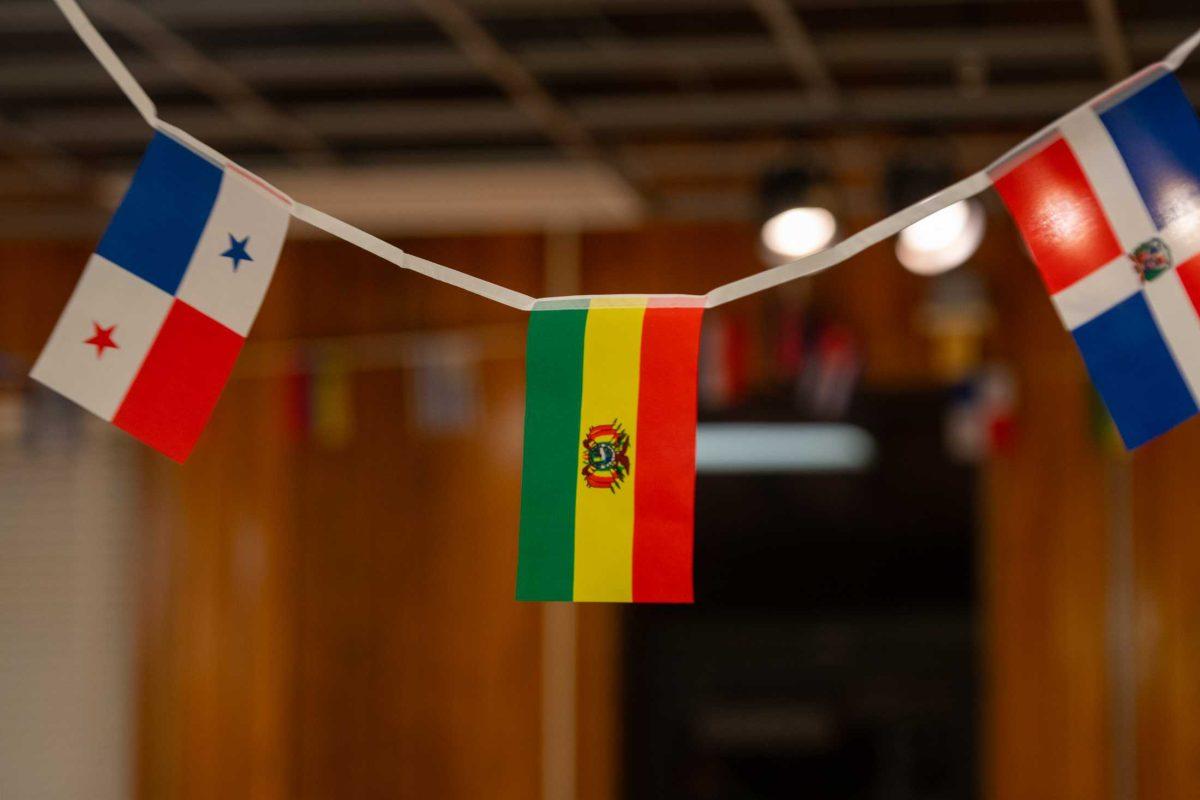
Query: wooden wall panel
{"x": 217, "y": 611}
{"x": 217, "y": 608}
{"x": 324, "y": 622}
{"x": 35, "y": 281}
{"x": 598, "y": 698}
{"x": 1044, "y": 559}
{"x": 1166, "y": 512}
{"x": 418, "y": 673}
{"x": 670, "y": 258}
{"x": 881, "y": 303}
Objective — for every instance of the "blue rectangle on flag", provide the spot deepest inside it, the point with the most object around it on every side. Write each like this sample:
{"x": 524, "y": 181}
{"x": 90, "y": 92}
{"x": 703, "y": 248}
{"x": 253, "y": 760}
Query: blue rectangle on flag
{"x": 156, "y": 228}
{"x": 1134, "y": 371}
{"x": 1158, "y": 135}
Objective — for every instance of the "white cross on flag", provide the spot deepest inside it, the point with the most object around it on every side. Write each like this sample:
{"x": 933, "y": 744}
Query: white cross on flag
{"x": 1109, "y": 204}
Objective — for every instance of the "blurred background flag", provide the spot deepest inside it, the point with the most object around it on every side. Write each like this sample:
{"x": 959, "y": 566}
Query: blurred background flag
{"x": 610, "y": 450}
{"x": 151, "y": 333}
{"x": 1109, "y": 204}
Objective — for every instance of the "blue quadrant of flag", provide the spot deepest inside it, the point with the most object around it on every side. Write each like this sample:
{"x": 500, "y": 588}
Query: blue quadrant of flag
{"x": 1134, "y": 372}
{"x": 151, "y": 333}
{"x": 1109, "y": 204}
{"x": 1158, "y": 135}
{"x": 155, "y": 229}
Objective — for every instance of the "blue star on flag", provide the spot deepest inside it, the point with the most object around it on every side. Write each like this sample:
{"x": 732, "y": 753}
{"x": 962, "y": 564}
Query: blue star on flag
{"x": 237, "y": 251}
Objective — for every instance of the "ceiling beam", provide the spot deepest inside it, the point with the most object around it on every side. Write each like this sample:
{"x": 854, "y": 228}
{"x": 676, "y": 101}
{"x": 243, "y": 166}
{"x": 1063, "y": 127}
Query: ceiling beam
{"x": 440, "y": 65}
{"x": 749, "y": 110}
{"x": 794, "y": 42}
{"x": 38, "y": 16}
{"x": 92, "y": 129}
{"x": 560, "y": 124}
{"x": 236, "y": 97}
{"x": 482, "y": 49}
{"x": 34, "y": 16}
{"x": 494, "y": 121}
{"x": 1106, "y": 26}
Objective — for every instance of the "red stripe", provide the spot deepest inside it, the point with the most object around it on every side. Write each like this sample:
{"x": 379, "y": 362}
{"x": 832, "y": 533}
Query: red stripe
{"x": 179, "y": 383}
{"x": 1060, "y": 218}
{"x": 665, "y": 472}
{"x": 1189, "y": 276}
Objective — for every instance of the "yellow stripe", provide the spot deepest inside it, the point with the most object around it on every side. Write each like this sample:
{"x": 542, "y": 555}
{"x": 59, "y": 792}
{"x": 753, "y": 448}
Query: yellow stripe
{"x": 603, "y": 517}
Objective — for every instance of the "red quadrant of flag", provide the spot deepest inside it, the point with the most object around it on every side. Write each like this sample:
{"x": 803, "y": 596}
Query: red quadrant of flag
{"x": 180, "y": 381}
{"x": 1189, "y": 276}
{"x": 1053, "y": 204}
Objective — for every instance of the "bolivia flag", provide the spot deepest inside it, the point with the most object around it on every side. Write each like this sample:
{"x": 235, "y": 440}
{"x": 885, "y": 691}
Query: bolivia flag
{"x": 610, "y": 450}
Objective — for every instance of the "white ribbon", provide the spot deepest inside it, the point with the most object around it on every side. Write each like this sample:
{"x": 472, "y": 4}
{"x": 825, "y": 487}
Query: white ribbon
{"x": 389, "y": 252}
{"x": 761, "y": 281}
{"x": 1176, "y": 57}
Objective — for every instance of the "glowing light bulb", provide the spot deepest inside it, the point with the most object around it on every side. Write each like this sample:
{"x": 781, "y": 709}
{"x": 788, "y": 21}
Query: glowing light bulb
{"x": 943, "y": 240}
{"x": 797, "y": 232}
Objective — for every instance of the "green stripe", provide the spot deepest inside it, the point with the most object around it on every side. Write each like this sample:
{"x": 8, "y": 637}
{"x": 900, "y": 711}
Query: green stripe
{"x": 553, "y": 392}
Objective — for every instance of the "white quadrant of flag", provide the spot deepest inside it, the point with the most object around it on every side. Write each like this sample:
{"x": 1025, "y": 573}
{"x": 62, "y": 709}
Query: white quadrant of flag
{"x": 228, "y": 275}
{"x": 102, "y": 337}
{"x": 150, "y": 335}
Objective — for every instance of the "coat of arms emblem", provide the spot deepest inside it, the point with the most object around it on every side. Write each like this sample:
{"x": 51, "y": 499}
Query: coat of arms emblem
{"x": 606, "y": 456}
{"x": 1151, "y": 259}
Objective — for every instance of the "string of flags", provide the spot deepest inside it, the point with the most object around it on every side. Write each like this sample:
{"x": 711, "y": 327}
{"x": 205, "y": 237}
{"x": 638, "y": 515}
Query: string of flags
{"x": 1107, "y": 199}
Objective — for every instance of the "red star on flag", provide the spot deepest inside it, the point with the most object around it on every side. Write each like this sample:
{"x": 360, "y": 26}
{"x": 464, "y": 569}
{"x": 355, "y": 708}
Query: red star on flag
{"x": 102, "y": 339}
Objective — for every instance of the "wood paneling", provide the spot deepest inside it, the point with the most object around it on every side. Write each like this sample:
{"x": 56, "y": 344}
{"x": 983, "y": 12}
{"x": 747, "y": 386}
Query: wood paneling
{"x": 218, "y": 623}
{"x": 1166, "y": 512}
{"x": 417, "y": 673}
{"x": 323, "y": 622}
{"x": 1044, "y": 561}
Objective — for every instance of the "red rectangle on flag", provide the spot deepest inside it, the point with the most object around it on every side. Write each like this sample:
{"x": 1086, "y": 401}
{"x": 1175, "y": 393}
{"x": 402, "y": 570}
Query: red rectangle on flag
{"x": 665, "y": 476}
{"x": 1189, "y": 276}
{"x": 1059, "y": 216}
{"x": 180, "y": 381}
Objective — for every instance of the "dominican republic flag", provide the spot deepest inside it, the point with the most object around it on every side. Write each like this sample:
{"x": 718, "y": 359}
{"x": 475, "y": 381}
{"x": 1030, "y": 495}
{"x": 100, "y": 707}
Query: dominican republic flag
{"x": 1109, "y": 205}
{"x": 151, "y": 333}
{"x": 610, "y": 450}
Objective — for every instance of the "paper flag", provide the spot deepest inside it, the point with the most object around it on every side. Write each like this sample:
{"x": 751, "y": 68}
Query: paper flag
{"x": 151, "y": 333}
{"x": 1109, "y": 204}
{"x": 610, "y": 450}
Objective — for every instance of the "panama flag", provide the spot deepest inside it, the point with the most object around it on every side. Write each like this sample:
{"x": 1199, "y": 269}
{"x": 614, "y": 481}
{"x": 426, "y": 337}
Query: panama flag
{"x": 151, "y": 333}
{"x": 1109, "y": 205}
{"x": 610, "y": 450}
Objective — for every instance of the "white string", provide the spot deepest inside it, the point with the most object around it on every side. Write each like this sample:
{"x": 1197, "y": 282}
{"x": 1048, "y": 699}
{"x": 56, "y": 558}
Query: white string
{"x": 108, "y": 59}
{"x": 192, "y": 142}
{"x": 761, "y": 281}
{"x": 1176, "y": 57}
{"x": 390, "y": 252}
